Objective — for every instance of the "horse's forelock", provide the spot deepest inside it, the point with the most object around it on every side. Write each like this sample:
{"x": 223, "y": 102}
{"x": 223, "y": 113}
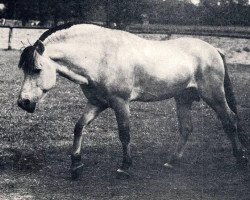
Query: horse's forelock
{"x": 27, "y": 59}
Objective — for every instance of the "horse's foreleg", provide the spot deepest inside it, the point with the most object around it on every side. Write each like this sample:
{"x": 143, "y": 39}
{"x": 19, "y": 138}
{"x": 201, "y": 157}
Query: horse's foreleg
{"x": 183, "y": 106}
{"x": 90, "y": 113}
{"x": 121, "y": 109}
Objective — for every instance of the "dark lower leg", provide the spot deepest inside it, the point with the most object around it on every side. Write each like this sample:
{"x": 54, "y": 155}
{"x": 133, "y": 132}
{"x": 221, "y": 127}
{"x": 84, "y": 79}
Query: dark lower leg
{"x": 243, "y": 138}
{"x": 122, "y": 172}
{"x": 127, "y": 161}
{"x": 176, "y": 157}
{"x": 90, "y": 113}
{"x": 121, "y": 109}
{"x": 185, "y": 128}
{"x": 238, "y": 151}
{"x": 76, "y": 151}
{"x": 76, "y": 164}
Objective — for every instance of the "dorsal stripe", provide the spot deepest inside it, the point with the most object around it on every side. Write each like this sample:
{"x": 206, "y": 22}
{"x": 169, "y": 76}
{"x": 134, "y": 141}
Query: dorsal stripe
{"x": 61, "y": 27}
{"x": 54, "y": 29}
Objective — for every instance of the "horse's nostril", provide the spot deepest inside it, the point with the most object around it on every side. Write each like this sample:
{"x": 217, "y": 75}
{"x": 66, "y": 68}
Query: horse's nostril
{"x": 26, "y": 101}
{"x": 19, "y": 103}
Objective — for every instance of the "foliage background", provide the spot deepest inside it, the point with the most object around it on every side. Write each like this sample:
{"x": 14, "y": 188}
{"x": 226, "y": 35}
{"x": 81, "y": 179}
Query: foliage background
{"x": 184, "y": 12}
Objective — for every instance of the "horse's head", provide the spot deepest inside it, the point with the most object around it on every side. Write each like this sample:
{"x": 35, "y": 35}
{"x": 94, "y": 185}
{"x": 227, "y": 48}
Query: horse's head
{"x": 39, "y": 76}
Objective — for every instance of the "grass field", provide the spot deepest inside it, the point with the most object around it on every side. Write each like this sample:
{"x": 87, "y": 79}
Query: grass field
{"x": 35, "y": 148}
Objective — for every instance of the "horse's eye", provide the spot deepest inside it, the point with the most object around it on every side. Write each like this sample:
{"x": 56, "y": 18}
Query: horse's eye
{"x": 37, "y": 71}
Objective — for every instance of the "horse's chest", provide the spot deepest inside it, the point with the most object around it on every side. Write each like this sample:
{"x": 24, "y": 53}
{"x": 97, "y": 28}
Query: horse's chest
{"x": 95, "y": 94}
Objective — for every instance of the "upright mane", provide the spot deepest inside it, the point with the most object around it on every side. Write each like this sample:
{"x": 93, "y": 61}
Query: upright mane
{"x": 65, "y": 26}
{"x": 55, "y": 29}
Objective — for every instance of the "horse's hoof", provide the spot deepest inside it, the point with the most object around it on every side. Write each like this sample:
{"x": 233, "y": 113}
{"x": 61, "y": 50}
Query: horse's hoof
{"x": 242, "y": 162}
{"x": 122, "y": 175}
{"x": 173, "y": 163}
{"x": 168, "y": 166}
{"x": 76, "y": 172}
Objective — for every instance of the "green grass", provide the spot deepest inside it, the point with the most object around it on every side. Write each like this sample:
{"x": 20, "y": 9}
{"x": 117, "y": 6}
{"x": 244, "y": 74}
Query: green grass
{"x": 35, "y": 148}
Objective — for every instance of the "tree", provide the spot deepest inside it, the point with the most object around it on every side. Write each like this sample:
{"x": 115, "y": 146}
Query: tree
{"x": 26, "y": 10}
{"x": 122, "y": 12}
{"x": 10, "y": 8}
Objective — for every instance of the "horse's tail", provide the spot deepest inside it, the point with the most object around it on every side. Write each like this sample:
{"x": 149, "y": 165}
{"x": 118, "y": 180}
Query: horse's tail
{"x": 231, "y": 101}
{"x": 230, "y": 97}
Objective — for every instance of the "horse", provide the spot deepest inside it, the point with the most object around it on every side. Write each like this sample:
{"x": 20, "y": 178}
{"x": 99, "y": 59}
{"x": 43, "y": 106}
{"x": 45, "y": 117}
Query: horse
{"x": 115, "y": 68}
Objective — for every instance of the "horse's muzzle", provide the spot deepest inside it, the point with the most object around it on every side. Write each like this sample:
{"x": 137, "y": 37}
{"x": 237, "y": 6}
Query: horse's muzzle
{"x": 27, "y": 105}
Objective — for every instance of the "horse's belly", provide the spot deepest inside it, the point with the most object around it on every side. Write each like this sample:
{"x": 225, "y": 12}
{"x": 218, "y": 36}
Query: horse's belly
{"x": 155, "y": 89}
{"x": 149, "y": 94}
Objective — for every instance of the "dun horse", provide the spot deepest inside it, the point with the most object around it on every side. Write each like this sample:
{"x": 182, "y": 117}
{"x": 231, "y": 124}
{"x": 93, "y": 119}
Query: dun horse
{"x": 115, "y": 68}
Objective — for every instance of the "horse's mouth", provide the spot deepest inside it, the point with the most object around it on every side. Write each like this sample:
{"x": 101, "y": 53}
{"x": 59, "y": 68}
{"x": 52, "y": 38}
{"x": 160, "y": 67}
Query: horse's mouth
{"x": 30, "y": 108}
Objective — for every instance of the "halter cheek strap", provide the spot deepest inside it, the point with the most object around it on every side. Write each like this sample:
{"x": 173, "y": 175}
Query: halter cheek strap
{"x": 39, "y": 46}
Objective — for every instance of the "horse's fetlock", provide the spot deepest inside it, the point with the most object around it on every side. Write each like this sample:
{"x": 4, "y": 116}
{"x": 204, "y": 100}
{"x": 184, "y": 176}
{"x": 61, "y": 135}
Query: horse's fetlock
{"x": 175, "y": 160}
{"x": 230, "y": 129}
{"x": 242, "y": 161}
{"x": 125, "y": 139}
{"x": 126, "y": 163}
{"x": 187, "y": 129}
{"x": 76, "y": 159}
{"x": 76, "y": 172}
{"x": 244, "y": 139}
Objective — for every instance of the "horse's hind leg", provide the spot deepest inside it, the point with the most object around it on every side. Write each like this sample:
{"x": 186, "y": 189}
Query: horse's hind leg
{"x": 217, "y": 101}
{"x": 183, "y": 106}
{"x": 91, "y": 111}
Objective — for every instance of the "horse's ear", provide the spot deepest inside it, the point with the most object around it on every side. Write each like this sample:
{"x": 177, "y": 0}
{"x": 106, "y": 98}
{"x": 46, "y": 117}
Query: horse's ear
{"x": 39, "y": 47}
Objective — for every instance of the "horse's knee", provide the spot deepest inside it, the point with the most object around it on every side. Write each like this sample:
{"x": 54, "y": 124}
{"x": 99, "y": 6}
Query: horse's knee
{"x": 82, "y": 122}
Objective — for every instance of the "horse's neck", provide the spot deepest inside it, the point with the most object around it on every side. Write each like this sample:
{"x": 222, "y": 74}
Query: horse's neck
{"x": 65, "y": 66}
{"x": 82, "y": 58}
